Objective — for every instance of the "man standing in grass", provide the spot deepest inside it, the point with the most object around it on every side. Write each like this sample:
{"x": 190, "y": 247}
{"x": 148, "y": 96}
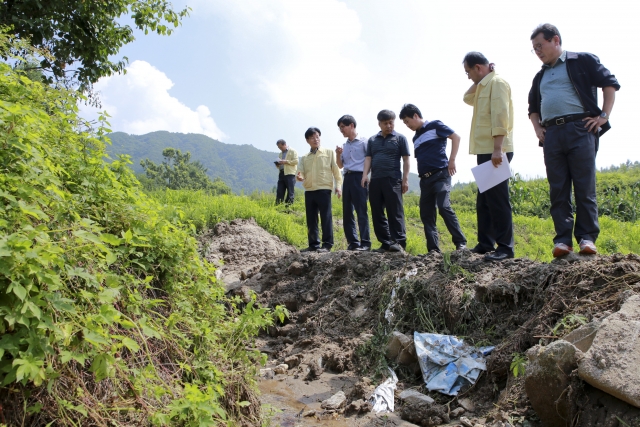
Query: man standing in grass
{"x": 350, "y": 157}
{"x": 287, "y": 172}
{"x": 435, "y": 171}
{"x": 388, "y": 182}
{"x": 563, "y": 108}
{"x": 491, "y": 136}
{"x": 317, "y": 171}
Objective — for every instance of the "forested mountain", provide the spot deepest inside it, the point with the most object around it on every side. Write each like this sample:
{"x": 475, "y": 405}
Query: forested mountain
{"x": 242, "y": 167}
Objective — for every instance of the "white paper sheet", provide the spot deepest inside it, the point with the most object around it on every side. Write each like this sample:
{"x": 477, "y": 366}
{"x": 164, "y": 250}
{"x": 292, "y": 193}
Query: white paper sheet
{"x": 488, "y": 176}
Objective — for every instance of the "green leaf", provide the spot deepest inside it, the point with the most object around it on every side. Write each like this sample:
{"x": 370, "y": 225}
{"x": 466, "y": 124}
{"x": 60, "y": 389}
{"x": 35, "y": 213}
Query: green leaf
{"x": 19, "y": 291}
{"x": 130, "y": 344}
{"x": 111, "y": 239}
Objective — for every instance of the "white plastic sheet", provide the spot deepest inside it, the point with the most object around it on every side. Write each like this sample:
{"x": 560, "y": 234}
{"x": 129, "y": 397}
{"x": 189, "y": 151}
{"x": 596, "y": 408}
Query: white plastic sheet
{"x": 447, "y": 363}
{"x": 382, "y": 397}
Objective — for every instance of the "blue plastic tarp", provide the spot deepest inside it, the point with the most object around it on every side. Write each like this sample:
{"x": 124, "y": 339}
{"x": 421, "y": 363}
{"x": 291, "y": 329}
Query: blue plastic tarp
{"x": 447, "y": 363}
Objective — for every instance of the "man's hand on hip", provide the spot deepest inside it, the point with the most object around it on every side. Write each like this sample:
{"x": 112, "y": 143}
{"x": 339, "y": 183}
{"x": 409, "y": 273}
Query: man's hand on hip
{"x": 593, "y": 124}
{"x": 452, "y": 167}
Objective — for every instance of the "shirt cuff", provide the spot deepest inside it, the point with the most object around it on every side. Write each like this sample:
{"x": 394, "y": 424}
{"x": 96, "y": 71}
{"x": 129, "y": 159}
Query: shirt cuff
{"x": 498, "y": 131}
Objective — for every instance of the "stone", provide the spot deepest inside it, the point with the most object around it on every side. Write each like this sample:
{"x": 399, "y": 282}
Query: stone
{"x": 359, "y": 406}
{"x": 612, "y": 364}
{"x": 296, "y": 268}
{"x": 401, "y": 349}
{"x": 334, "y": 402}
{"x": 582, "y": 338}
{"x": 413, "y": 397}
{"x": 281, "y": 369}
{"x": 466, "y": 422}
{"x": 266, "y": 373}
{"x": 547, "y": 378}
{"x": 467, "y": 405}
{"x": 457, "y": 412}
{"x": 292, "y": 361}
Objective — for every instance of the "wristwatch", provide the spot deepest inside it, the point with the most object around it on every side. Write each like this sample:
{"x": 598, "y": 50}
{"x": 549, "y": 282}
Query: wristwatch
{"x": 603, "y": 115}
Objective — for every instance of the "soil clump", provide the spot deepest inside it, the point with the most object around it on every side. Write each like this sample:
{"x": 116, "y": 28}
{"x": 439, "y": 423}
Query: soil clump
{"x": 344, "y": 307}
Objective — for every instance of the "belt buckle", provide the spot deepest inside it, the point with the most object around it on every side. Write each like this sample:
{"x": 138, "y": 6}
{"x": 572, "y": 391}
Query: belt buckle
{"x": 560, "y": 121}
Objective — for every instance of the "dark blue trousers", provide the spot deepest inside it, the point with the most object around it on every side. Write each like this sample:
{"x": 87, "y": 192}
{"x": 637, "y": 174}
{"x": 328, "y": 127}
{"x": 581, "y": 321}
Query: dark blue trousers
{"x": 495, "y": 220}
{"x": 319, "y": 202}
{"x": 285, "y": 183}
{"x": 354, "y": 197}
{"x": 386, "y": 194}
{"x": 434, "y": 193}
{"x": 570, "y": 158}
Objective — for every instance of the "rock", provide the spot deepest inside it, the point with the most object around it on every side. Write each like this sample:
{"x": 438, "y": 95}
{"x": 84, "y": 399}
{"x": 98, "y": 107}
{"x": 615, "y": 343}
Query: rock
{"x": 334, "y": 402}
{"x": 467, "y": 405}
{"x": 289, "y": 330}
{"x": 582, "y": 338}
{"x": 266, "y": 373}
{"x": 466, "y": 422}
{"x": 281, "y": 369}
{"x": 292, "y": 361}
{"x": 310, "y": 413}
{"x": 401, "y": 349}
{"x": 291, "y": 304}
{"x": 457, "y": 412}
{"x": 310, "y": 297}
{"x": 612, "y": 364}
{"x": 296, "y": 268}
{"x": 414, "y": 397}
{"x": 359, "y": 406}
{"x": 546, "y": 379}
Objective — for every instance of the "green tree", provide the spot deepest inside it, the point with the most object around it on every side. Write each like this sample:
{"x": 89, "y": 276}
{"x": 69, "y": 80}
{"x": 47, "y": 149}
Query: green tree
{"x": 82, "y": 35}
{"x": 178, "y": 172}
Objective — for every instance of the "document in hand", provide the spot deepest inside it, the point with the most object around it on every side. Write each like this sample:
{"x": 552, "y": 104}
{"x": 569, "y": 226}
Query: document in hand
{"x": 488, "y": 176}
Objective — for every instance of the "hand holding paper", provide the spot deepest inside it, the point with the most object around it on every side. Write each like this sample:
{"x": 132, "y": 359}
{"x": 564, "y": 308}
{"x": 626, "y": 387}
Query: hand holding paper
{"x": 488, "y": 176}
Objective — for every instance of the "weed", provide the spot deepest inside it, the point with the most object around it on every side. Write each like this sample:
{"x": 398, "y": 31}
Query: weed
{"x": 568, "y": 324}
{"x": 518, "y": 364}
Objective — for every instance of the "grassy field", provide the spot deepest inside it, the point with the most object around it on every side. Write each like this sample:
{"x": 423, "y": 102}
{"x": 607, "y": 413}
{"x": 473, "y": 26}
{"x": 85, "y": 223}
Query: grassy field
{"x": 533, "y": 234}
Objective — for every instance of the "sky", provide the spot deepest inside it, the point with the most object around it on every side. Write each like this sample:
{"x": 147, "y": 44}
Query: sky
{"x": 255, "y": 71}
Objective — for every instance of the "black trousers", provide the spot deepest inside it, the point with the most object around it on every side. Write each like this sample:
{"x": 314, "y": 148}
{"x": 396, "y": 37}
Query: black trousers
{"x": 570, "y": 158}
{"x": 319, "y": 202}
{"x": 354, "y": 197}
{"x": 386, "y": 194}
{"x": 434, "y": 193}
{"x": 288, "y": 183}
{"x": 495, "y": 220}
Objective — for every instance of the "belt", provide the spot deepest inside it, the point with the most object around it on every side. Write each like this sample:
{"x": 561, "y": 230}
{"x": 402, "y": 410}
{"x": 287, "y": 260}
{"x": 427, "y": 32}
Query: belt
{"x": 346, "y": 172}
{"x": 428, "y": 174}
{"x": 557, "y": 121}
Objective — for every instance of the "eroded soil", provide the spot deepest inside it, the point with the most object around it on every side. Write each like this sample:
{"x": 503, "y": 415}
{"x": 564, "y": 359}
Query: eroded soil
{"x": 335, "y": 337}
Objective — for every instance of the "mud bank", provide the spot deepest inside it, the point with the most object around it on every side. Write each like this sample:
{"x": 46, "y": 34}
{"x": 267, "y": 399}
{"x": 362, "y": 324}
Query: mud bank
{"x": 337, "y": 325}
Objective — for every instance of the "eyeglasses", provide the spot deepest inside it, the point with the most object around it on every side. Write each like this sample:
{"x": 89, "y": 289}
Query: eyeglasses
{"x": 537, "y": 48}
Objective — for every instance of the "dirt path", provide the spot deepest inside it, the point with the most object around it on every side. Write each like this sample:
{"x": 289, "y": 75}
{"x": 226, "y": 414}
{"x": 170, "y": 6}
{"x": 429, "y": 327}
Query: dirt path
{"x": 335, "y": 337}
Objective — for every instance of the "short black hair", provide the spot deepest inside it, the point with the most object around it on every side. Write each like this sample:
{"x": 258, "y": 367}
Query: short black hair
{"x": 347, "y": 120}
{"x": 548, "y": 31}
{"x": 472, "y": 59}
{"x": 281, "y": 141}
{"x": 385, "y": 115}
{"x": 309, "y": 133}
{"x": 409, "y": 110}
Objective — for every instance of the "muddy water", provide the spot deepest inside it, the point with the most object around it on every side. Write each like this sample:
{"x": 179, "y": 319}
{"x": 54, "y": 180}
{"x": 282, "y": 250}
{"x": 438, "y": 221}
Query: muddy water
{"x": 291, "y": 398}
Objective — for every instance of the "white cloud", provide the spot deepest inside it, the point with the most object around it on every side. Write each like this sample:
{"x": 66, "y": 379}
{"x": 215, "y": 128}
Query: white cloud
{"x": 139, "y": 102}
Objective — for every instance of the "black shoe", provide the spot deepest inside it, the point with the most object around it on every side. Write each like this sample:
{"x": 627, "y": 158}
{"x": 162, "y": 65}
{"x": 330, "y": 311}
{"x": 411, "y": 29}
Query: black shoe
{"x": 461, "y": 246}
{"x": 326, "y": 248}
{"x": 497, "y": 256}
{"x": 322, "y": 250}
{"x": 480, "y": 250}
{"x": 382, "y": 249}
{"x": 395, "y": 248}
{"x": 363, "y": 248}
{"x": 310, "y": 249}
{"x": 353, "y": 247}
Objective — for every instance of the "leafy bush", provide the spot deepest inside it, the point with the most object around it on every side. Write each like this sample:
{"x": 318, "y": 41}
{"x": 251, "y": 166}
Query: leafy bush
{"x": 107, "y": 312}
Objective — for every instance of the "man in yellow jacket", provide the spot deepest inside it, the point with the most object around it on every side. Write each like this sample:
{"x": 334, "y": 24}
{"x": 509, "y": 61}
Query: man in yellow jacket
{"x": 319, "y": 174}
{"x": 287, "y": 163}
{"x": 491, "y": 136}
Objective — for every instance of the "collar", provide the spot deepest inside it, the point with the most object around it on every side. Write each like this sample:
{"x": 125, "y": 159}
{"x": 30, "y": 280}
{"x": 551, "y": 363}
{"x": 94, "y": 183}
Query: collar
{"x": 562, "y": 58}
{"x": 393, "y": 132}
{"x": 487, "y": 78}
{"x": 357, "y": 138}
{"x": 314, "y": 150}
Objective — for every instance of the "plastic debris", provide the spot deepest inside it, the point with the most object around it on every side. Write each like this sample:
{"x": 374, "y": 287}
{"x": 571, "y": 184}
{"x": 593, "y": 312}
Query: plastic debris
{"x": 382, "y": 397}
{"x": 388, "y": 313}
{"x": 447, "y": 363}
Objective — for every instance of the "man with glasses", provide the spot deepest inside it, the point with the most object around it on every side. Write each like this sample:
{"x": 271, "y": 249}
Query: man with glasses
{"x": 563, "y": 108}
{"x": 491, "y": 136}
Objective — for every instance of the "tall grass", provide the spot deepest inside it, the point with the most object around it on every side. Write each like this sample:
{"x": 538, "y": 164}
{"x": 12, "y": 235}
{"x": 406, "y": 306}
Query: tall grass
{"x": 533, "y": 235}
